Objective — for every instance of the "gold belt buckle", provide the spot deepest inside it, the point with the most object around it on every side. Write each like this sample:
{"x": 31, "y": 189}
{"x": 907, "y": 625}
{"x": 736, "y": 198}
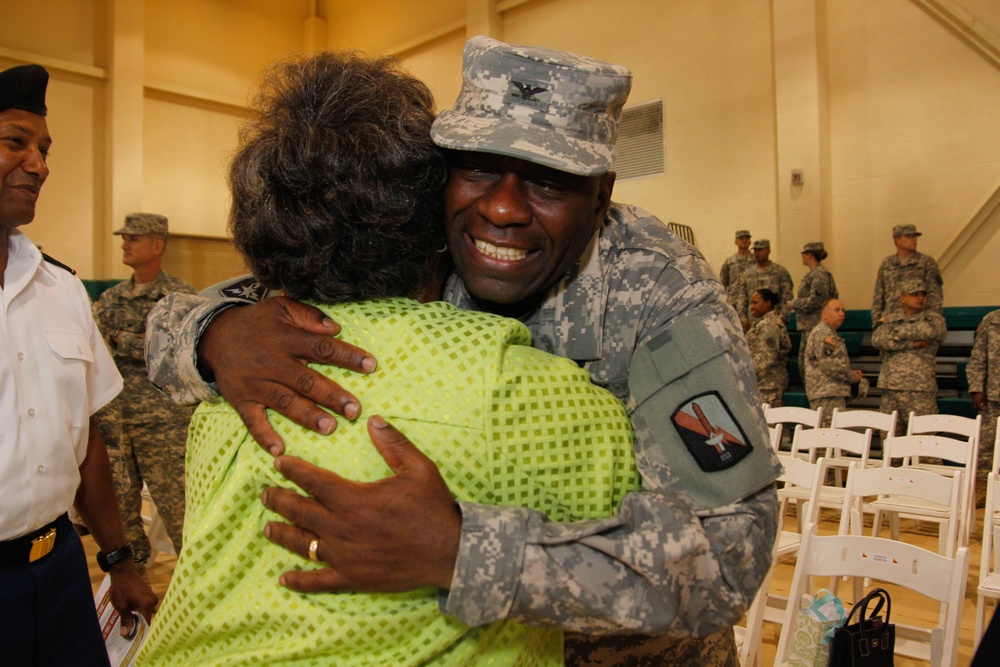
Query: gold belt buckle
{"x": 42, "y": 545}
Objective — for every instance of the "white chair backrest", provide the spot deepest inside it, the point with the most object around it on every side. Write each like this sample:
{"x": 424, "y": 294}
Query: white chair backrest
{"x": 794, "y": 415}
{"x": 963, "y": 426}
{"x": 808, "y": 440}
{"x": 774, "y": 433}
{"x": 962, "y": 452}
{"x": 806, "y": 475}
{"x": 941, "y": 490}
{"x": 937, "y": 577}
{"x": 862, "y": 419}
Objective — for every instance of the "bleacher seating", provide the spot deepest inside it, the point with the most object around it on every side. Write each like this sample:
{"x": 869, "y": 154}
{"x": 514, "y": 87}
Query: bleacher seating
{"x": 952, "y": 359}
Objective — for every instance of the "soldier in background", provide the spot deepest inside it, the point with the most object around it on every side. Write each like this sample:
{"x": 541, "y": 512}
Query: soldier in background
{"x": 909, "y": 340}
{"x": 735, "y": 265}
{"x": 145, "y": 431}
{"x": 769, "y": 346}
{"x": 828, "y": 367}
{"x": 984, "y": 385}
{"x": 906, "y": 264}
{"x": 816, "y": 288}
{"x": 763, "y": 274}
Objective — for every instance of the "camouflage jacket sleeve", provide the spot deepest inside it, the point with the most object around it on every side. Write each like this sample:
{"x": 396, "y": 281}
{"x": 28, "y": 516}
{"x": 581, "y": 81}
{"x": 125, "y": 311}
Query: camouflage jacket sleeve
{"x": 724, "y": 274}
{"x": 684, "y": 556}
{"x": 900, "y": 333}
{"x": 878, "y": 294}
{"x": 935, "y": 284}
{"x": 173, "y": 328}
{"x": 985, "y": 354}
{"x": 816, "y": 287}
{"x": 830, "y": 359}
{"x": 787, "y": 292}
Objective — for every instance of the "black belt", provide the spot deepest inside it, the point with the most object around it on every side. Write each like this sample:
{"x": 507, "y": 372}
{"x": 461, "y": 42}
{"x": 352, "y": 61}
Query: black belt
{"x": 35, "y": 545}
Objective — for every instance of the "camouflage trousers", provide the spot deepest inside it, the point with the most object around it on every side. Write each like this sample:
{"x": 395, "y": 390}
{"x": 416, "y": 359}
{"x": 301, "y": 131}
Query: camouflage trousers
{"x": 828, "y": 403}
{"x": 987, "y": 439}
{"x": 773, "y": 397}
{"x": 154, "y": 454}
{"x": 716, "y": 650}
{"x": 904, "y": 402}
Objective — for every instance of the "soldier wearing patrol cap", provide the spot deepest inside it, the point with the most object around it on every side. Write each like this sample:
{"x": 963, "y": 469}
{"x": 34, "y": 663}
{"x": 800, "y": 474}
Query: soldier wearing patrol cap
{"x": 816, "y": 288}
{"x": 763, "y": 274}
{"x": 909, "y": 338}
{"x": 55, "y": 373}
{"x": 905, "y": 264}
{"x": 736, "y": 264}
{"x": 144, "y": 430}
{"x": 534, "y": 234}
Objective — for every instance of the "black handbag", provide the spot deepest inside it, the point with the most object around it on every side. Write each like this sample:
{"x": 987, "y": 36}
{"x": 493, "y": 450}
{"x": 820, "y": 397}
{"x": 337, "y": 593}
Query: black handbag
{"x": 869, "y": 642}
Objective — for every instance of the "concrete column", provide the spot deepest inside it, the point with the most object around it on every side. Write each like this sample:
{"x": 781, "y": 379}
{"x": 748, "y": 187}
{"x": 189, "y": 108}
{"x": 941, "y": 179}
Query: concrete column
{"x": 801, "y": 129}
{"x": 123, "y": 116}
{"x": 482, "y": 18}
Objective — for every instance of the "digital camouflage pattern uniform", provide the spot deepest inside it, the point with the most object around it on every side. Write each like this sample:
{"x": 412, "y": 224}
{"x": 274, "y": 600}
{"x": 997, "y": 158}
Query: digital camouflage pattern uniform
{"x": 774, "y": 277}
{"x": 643, "y": 313}
{"x": 769, "y": 346}
{"x": 984, "y": 376}
{"x": 816, "y": 288}
{"x": 732, "y": 269}
{"x": 893, "y": 271}
{"x": 828, "y": 371}
{"x": 907, "y": 378}
{"x": 145, "y": 432}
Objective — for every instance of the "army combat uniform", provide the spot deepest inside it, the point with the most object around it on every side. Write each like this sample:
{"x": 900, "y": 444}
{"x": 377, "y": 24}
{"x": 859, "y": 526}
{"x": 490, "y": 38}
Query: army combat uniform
{"x": 732, "y": 270}
{"x": 984, "y": 376}
{"x": 774, "y": 277}
{"x": 769, "y": 346}
{"x": 828, "y": 371}
{"x": 644, "y": 314}
{"x": 893, "y": 271}
{"x": 907, "y": 378}
{"x": 145, "y": 432}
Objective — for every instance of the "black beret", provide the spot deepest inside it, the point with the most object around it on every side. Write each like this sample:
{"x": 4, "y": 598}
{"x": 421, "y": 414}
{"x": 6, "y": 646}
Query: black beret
{"x": 23, "y": 87}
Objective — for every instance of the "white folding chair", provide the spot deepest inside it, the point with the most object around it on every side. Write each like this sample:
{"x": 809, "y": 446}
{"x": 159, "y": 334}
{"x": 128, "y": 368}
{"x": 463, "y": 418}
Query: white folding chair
{"x": 859, "y": 420}
{"x": 941, "y": 498}
{"x": 989, "y": 564}
{"x": 774, "y": 434}
{"x": 812, "y": 442}
{"x": 960, "y": 428}
{"x": 932, "y": 575}
{"x": 962, "y": 452}
{"x": 806, "y": 476}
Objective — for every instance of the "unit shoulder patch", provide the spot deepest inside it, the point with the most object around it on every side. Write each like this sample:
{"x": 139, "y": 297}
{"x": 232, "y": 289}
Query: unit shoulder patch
{"x": 711, "y": 434}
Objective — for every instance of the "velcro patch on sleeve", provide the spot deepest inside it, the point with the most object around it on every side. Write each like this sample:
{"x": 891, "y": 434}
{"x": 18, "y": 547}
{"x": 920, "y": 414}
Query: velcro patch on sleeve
{"x": 710, "y": 432}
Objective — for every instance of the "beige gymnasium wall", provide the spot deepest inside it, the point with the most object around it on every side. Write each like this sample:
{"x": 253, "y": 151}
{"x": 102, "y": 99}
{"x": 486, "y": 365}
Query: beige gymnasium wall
{"x": 886, "y": 107}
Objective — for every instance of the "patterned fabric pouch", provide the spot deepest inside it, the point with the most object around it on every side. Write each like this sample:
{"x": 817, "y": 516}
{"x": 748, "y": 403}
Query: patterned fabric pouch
{"x": 814, "y": 628}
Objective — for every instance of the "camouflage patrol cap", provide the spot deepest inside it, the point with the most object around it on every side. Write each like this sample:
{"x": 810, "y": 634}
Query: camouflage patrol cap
{"x": 905, "y": 230}
{"x": 816, "y": 246}
{"x": 740, "y": 233}
{"x": 760, "y": 244}
{"x": 912, "y": 286}
{"x": 143, "y": 223}
{"x": 23, "y": 87}
{"x": 549, "y": 107}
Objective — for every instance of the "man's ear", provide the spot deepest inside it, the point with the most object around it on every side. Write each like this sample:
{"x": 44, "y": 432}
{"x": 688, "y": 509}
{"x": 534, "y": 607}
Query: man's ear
{"x": 604, "y": 190}
{"x": 160, "y": 244}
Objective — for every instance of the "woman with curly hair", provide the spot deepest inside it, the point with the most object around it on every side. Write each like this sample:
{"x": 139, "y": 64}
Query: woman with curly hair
{"x": 337, "y": 192}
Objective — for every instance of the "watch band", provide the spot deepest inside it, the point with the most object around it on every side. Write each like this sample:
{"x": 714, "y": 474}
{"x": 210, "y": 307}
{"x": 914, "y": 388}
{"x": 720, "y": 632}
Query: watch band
{"x": 106, "y": 560}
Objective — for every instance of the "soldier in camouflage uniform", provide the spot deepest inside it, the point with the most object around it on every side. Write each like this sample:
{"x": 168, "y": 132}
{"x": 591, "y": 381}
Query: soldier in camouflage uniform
{"x": 906, "y": 264}
{"x": 909, "y": 339}
{"x": 984, "y": 385}
{"x": 145, "y": 431}
{"x": 735, "y": 265}
{"x": 816, "y": 288}
{"x": 629, "y": 301}
{"x": 769, "y": 346}
{"x": 828, "y": 367}
{"x": 763, "y": 274}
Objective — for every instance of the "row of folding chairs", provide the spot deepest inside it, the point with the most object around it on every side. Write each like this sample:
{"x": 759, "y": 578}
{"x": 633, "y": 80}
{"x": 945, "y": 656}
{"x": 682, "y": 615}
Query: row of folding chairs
{"x": 941, "y": 494}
